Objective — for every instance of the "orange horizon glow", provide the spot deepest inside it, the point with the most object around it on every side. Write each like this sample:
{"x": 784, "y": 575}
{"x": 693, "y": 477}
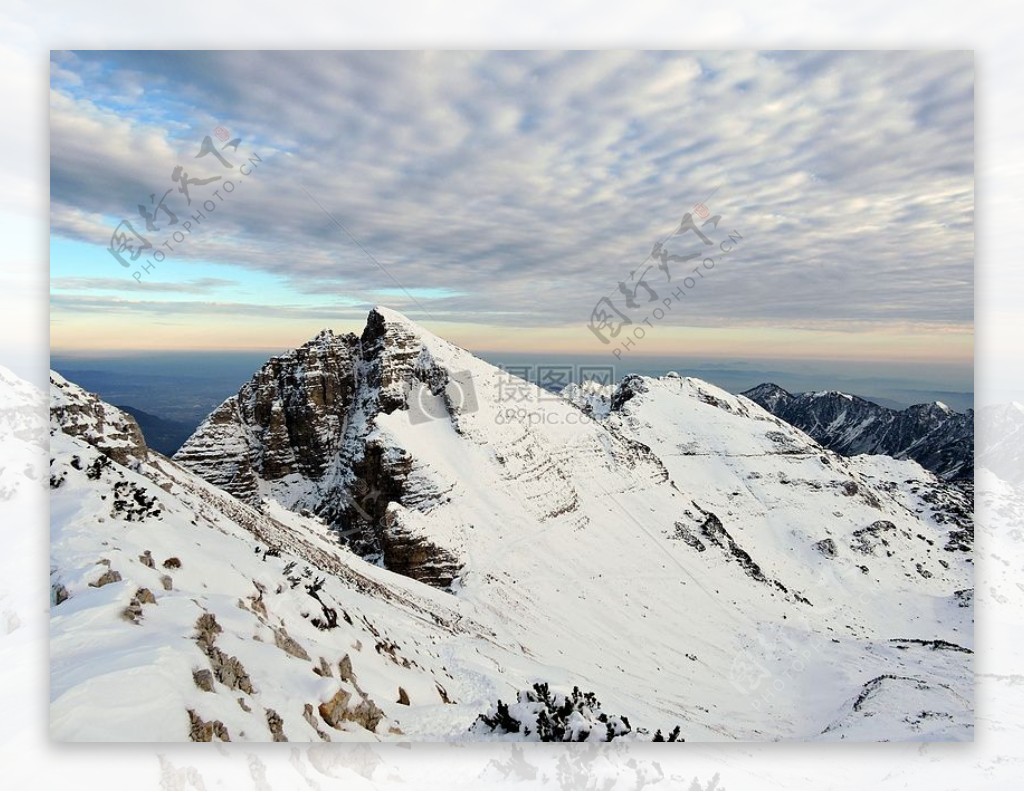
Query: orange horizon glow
{"x": 939, "y": 344}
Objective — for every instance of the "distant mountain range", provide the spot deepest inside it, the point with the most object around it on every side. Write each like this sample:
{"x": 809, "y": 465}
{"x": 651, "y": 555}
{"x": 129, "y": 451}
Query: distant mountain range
{"x": 933, "y": 435}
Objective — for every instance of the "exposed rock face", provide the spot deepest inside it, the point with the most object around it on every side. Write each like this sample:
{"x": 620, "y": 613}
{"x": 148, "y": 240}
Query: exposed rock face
{"x": 145, "y": 596}
{"x": 827, "y": 547}
{"x": 340, "y": 709}
{"x": 867, "y": 540}
{"x": 411, "y": 555}
{"x": 936, "y": 437}
{"x": 83, "y": 415}
{"x": 108, "y": 577}
{"x": 205, "y": 731}
{"x": 289, "y": 419}
{"x": 310, "y": 718}
{"x": 60, "y": 594}
{"x": 283, "y": 641}
{"x": 299, "y": 432}
{"x": 276, "y": 725}
{"x": 345, "y": 669}
{"x": 227, "y": 669}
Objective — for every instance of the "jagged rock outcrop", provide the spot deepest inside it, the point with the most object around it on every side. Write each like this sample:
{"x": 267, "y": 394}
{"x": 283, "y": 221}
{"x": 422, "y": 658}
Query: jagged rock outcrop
{"x": 339, "y": 709}
{"x": 937, "y": 438}
{"x": 85, "y": 416}
{"x": 288, "y": 420}
{"x": 299, "y": 432}
{"x": 205, "y": 731}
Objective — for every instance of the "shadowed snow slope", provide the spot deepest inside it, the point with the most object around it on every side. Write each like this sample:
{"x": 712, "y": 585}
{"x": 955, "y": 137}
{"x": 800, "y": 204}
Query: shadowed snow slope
{"x": 679, "y": 551}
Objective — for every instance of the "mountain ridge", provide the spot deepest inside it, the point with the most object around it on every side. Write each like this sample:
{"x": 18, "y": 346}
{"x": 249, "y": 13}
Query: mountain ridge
{"x": 672, "y": 550}
{"x": 939, "y": 438}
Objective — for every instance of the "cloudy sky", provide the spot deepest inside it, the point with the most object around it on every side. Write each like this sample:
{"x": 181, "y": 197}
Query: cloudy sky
{"x": 499, "y": 198}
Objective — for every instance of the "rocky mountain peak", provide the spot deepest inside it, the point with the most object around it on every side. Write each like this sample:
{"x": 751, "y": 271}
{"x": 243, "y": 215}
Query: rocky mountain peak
{"x": 301, "y": 432}
{"x": 769, "y": 395}
{"x": 287, "y": 420}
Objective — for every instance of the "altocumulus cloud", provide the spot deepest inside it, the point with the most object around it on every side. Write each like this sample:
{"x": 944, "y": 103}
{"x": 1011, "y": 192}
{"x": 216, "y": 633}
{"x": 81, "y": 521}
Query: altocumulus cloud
{"x": 518, "y": 188}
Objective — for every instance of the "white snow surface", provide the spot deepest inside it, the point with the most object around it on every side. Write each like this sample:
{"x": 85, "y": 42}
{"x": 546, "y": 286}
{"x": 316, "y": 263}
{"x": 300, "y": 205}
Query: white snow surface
{"x": 666, "y": 555}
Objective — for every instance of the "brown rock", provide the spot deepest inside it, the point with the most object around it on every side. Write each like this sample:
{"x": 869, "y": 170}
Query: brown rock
{"x": 166, "y": 582}
{"x": 338, "y": 710}
{"x": 310, "y": 717}
{"x": 204, "y": 679}
{"x": 207, "y": 629}
{"x": 172, "y": 563}
{"x": 333, "y": 711}
{"x": 133, "y": 612}
{"x": 110, "y": 576}
{"x": 229, "y": 671}
{"x": 412, "y": 555}
{"x": 282, "y": 640}
{"x": 366, "y": 714}
{"x": 145, "y": 596}
{"x": 286, "y": 405}
{"x": 276, "y": 725}
{"x": 205, "y": 731}
{"x": 403, "y": 697}
{"x": 147, "y": 559}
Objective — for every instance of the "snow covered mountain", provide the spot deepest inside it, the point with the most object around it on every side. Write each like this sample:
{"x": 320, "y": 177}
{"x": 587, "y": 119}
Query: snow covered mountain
{"x": 22, "y": 493}
{"x": 938, "y": 438}
{"x": 181, "y": 613}
{"x": 1002, "y": 449}
{"x": 688, "y": 557}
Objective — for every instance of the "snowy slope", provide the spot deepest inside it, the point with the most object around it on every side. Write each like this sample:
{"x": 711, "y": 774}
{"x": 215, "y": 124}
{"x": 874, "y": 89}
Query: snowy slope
{"x": 679, "y": 551}
{"x": 1001, "y": 441}
{"x": 23, "y": 494}
{"x": 127, "y": 649}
